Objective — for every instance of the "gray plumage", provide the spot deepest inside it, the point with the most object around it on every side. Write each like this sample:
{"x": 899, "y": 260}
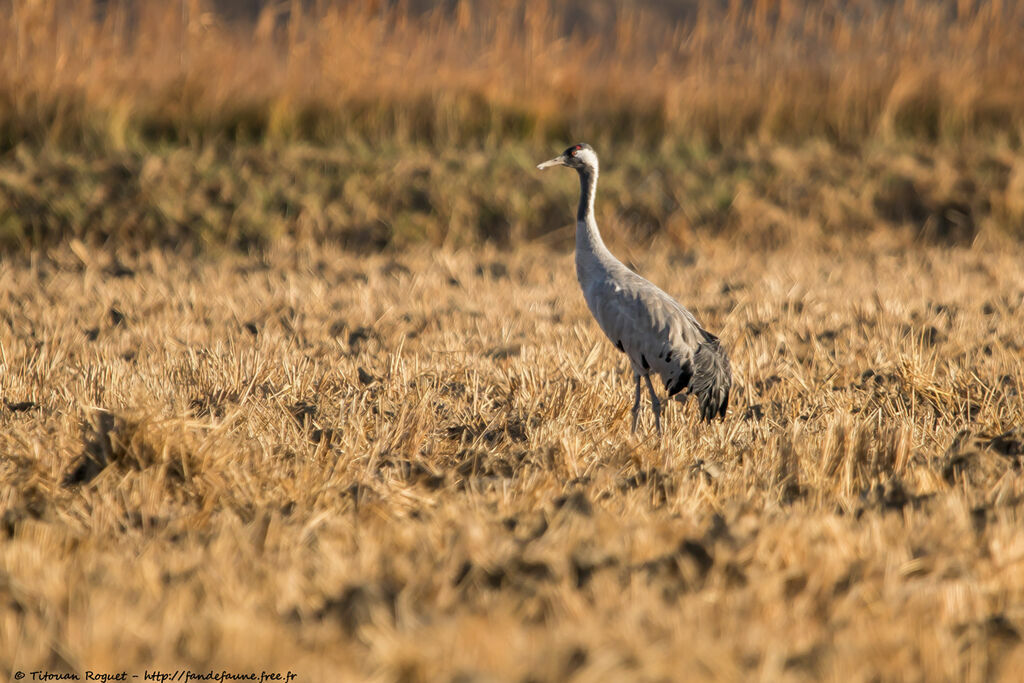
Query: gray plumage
{"x": 655, "y": 332}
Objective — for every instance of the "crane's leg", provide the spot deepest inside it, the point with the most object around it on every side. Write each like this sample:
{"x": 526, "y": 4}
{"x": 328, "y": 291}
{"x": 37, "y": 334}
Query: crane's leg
{"x": 655, "y": 403}
{"x": 636, "y": 400}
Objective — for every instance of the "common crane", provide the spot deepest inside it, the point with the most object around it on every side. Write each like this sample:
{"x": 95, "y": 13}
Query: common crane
{"x": 654, "y": 331}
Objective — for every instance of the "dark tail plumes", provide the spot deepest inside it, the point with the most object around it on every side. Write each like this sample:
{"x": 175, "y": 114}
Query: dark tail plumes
{"x": 712, "y": 378}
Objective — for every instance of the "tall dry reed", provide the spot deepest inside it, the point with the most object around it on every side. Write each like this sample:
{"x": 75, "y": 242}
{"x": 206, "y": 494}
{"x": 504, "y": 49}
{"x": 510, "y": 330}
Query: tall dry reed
{"x": 476, "y": 73}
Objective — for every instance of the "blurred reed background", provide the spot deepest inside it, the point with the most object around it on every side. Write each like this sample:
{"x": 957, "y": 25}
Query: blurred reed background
{"x": 445, "y": 73}
{"x": 413, "y": 89}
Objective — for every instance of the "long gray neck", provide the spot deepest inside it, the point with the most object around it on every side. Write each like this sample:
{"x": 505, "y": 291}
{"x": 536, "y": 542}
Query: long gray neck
{"x": 587, "y": 236}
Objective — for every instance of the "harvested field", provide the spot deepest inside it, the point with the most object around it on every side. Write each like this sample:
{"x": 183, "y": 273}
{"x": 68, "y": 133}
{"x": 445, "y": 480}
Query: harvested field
{"x": 418, "y": 466}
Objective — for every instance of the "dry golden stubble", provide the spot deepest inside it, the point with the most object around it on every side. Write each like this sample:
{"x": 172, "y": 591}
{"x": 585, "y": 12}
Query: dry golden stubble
{"x": 419, "y": 465}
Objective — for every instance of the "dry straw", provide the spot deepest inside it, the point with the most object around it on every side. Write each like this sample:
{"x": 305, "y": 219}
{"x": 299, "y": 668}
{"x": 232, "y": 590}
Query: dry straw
{"x": 477, "y": 72}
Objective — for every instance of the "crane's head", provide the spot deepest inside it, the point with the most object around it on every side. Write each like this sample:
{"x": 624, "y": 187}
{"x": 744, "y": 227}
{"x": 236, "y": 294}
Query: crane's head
{"x": 578, "y": 156}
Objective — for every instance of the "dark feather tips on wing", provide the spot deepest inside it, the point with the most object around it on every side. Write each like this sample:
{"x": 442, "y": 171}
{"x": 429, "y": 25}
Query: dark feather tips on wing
{"x": 682, "y": 379}
{"x": 712, "y": 378}
{"x": 708, "y": 376}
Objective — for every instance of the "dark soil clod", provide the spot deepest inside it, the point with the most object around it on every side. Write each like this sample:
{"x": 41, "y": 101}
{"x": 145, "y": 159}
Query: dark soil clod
{"x": 303, "y": 412}
{"x": 97, "y": 452}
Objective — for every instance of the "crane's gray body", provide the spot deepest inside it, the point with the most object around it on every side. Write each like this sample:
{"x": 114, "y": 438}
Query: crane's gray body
{"x": 655, "y": 332}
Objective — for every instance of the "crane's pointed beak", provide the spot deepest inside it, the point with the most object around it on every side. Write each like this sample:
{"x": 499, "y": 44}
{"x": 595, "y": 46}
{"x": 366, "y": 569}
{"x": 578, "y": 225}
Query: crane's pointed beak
{"x": 557, "y": 161}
